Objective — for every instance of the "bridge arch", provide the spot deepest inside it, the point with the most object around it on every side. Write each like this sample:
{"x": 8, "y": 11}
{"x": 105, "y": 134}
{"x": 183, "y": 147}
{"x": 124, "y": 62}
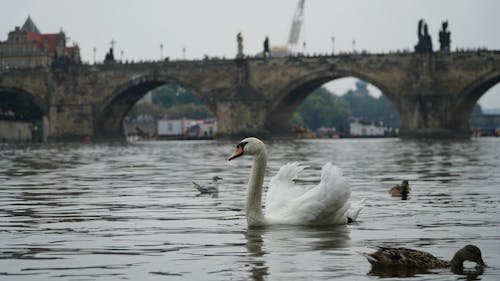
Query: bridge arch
{"x": 34, "y": 103}
{"x": 109, "y": 117}
{"x": 471, "y": 94}
{"x": 290, "y": 97}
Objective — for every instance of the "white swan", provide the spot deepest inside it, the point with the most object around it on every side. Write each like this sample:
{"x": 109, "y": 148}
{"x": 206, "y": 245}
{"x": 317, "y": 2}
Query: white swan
{"x": 286, "y": 203}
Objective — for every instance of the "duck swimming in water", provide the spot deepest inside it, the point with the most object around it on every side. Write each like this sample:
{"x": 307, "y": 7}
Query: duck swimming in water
{"x": 400, "y": 190}
{"x": 404, "y": 258}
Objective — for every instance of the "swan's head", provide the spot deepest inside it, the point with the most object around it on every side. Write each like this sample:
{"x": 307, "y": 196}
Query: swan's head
{"x": 248, "y": 146}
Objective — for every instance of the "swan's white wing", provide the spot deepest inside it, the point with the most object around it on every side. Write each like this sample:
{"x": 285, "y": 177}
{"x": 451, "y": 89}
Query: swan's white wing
{"x": 282, "y": 190}
{"x": 331, "y": 197}
{"x": 325, "y": 204}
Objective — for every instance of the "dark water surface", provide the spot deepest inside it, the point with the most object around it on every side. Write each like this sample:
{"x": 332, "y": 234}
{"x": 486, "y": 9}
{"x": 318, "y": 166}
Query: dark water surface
{"x": 130, "y": 212}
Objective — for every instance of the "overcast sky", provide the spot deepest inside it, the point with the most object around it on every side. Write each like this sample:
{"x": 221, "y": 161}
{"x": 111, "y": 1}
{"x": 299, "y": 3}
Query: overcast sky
{"x": 209, "y": 27}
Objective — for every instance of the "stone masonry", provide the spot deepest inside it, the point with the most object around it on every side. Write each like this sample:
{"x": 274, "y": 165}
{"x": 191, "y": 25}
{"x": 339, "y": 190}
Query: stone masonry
{"x": 434, "y": 93}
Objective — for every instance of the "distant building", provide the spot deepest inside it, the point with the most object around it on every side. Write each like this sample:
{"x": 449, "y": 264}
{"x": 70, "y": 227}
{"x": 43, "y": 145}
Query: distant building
{"x": 485, "y": 124}
{"x": 361, "y": 128}
{"x": 208, "y": 129}
{"x": 171, "y": 128}
{"x": 15, "y": 131}
{"x": 186, "y": 128}
{"x": 28, "y": 47}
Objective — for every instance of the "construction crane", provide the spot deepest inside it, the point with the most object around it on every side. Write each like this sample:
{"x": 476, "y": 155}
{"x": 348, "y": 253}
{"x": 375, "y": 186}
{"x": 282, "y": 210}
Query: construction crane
{"x": 293, "y": 38}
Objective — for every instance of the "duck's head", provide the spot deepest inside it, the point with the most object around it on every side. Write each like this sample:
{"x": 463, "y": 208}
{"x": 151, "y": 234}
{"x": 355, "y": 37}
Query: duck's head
{"x": 216, "y": 178}
{"x": 469, "y": 253}
{"x": 405, "y": 187}
{"x": 248, "y": 146}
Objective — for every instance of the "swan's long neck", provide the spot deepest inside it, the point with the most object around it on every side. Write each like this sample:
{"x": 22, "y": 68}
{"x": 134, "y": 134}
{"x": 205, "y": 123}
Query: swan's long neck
{"x": 254, "y": 191}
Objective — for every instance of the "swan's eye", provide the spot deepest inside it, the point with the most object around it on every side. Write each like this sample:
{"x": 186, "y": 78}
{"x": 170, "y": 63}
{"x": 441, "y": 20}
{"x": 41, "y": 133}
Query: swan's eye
{"x": 241, "y": 144}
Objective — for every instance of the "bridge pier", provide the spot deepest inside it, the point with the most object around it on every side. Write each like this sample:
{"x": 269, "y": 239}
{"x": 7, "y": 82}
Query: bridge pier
{"x": 431, "y": 116}
{"x": 242, "y": 113}
{"x": 69, "y": 122}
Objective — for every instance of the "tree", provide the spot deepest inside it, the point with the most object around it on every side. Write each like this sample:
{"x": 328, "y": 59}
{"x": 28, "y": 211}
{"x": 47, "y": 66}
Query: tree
{"x": 170, "y": 95}
{"x": 18, "y": 106}
{"x": 365, "y": 106}
{"x": 189, "y": 111}
{"x": 140, "y": 110}
{"x": 173, "y": 100}
{"x": 322, "y": 108}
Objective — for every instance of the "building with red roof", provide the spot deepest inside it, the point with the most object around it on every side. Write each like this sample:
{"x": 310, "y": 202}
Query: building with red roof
{"x": 28, "y": 47}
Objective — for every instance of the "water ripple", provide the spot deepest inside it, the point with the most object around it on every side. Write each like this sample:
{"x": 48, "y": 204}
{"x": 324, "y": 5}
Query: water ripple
{"x": 129, "y": 211}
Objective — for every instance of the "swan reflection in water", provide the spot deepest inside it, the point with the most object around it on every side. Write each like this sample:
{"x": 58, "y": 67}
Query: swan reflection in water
{"x": 280, "y": 245}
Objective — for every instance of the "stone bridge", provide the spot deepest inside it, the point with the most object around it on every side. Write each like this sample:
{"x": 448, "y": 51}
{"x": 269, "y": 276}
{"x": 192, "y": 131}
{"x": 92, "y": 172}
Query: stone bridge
{"x": 434, "y": 93}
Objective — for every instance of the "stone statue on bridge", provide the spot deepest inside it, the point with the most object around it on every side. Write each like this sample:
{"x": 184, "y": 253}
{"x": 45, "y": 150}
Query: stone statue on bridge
{"x": 110, "y": 57}
{"x": 239, "y": 39}
{"x": 424, "y": 44}
{"x": 444, "y": 38}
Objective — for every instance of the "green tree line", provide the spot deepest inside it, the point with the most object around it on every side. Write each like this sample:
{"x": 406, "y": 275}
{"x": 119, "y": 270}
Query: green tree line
{"x": 323, "y": 108}
{"x": 173, "y": 101}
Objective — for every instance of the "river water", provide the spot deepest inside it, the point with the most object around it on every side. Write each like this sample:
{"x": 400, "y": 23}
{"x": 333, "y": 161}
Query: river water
{"x": 129, "y": 211}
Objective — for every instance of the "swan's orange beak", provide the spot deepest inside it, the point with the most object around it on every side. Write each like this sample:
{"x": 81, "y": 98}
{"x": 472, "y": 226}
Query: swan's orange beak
{"x": 237, "y": 153}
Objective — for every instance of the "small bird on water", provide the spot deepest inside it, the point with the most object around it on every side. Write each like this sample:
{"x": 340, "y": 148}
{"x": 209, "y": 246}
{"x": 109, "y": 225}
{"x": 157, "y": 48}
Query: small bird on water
{"x": 209, "y": 189}
{"x": 404, "y": 258}
{"x": 400, "y": 190}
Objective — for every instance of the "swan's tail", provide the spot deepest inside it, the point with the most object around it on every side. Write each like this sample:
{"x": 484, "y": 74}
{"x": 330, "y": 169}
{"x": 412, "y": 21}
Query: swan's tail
{"x": 353, "y": 212}
{"x": 331, "y": 173}
{"x": 289, "y": 171}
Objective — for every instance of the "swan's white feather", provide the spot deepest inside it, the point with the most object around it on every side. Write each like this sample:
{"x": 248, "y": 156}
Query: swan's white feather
{"x": 355, "y": 208}
{"x": 282, "y": 189}
{"x": 325, "y": 204}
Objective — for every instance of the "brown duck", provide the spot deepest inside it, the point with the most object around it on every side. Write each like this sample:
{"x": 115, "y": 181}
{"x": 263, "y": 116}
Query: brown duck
{"x": 387, "y": 257}
{"x": 400, "y": 190}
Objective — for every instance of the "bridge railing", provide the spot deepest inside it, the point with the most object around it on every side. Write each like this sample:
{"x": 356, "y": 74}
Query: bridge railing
{"x": 223, "y": 60}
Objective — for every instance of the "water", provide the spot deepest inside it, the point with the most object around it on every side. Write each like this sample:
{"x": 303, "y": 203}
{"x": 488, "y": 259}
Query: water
{"x": 129, "y": 211}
